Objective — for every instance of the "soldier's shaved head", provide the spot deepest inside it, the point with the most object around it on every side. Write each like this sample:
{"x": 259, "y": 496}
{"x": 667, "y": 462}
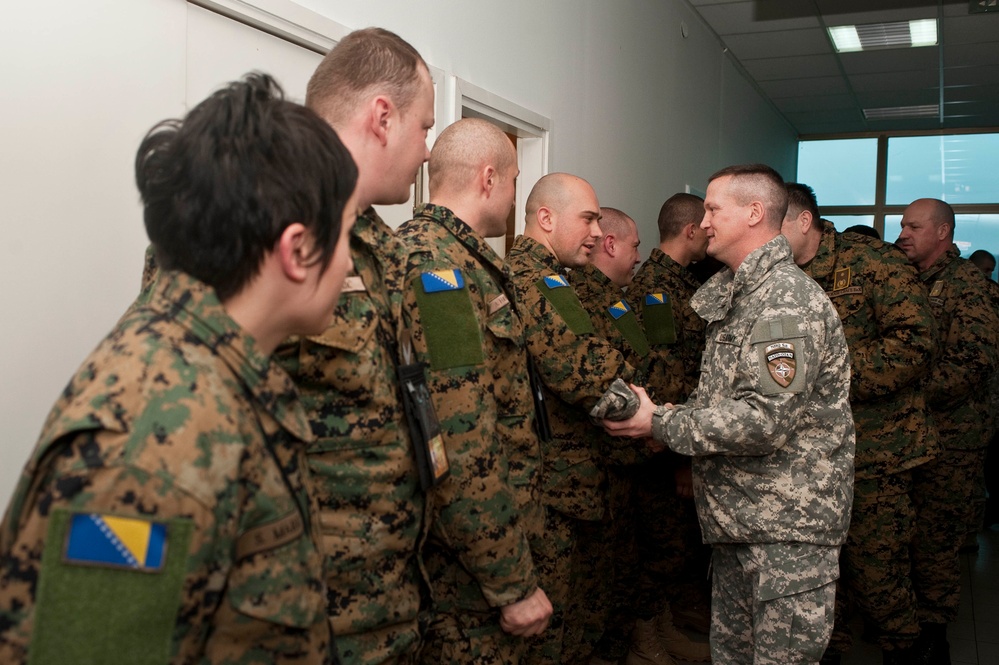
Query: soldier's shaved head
{"x": 552, "y": 191}
{"x": 563, "y": 214}
{"x": 463, "y": 149}
{"x": 615, "y": 222}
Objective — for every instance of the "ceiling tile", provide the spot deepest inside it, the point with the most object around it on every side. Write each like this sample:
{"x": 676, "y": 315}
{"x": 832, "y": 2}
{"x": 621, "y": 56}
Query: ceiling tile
{"x": 984, "y": 75}
{"x": 788, "y": 43}
{"x": 925, "y": 78}
{"x": 970, "y": 29}
{"x": 826, "y": 85}
{"x": 814, "y": 103}
{"x": 769, "y": 69}
{"x": 883, "y": 99}
{"x": 971, "y": 55}
{"x": 891, "y": 60}
{"x": 989, "y": 93}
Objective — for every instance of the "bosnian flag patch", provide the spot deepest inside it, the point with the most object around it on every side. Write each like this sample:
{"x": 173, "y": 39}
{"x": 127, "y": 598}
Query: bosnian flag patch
{"x": 656, "y": 299}
{"x": 116, "y": 542}
{"x": 555, "y": 281}
{"x": 442, "y": 280}
{"x": 619, "y": 309}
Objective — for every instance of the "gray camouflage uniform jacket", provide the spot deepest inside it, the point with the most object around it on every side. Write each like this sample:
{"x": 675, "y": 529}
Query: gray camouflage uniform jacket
{"x": 769, "y": 426}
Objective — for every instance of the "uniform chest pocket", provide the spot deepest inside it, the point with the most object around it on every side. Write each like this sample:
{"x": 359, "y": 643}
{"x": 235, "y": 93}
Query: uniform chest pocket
{"x": 345, "y": 354}
{"x": 504, "y": 324}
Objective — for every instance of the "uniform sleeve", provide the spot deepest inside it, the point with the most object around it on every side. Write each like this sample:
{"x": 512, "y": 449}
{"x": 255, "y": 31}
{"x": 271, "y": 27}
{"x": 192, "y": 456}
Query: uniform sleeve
{"x": 474, "y": 508}
{"x": 968, "y": 347}
{"x": 579, "y": 368}
{"x": 901, "y": 351}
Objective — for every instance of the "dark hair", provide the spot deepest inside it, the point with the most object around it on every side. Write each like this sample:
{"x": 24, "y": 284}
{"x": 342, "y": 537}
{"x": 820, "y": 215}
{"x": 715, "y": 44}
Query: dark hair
{"x": 864, "y": 230}
{"x": 222, "y": 185}
{"x": 758, "y": 181}
{"x": 372, "y": 59}
{"x": 800, "y": 198}
{"x": 678, "y": 211}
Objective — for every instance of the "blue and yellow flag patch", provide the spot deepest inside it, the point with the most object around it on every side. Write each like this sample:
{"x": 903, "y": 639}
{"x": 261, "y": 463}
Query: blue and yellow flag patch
{"x": 117, "y": 542}
{"x": 436, "y": 281}
{"x": 555, "y": 281}
{"x": 656, "y": 299}
{"x": 619, "y": 309}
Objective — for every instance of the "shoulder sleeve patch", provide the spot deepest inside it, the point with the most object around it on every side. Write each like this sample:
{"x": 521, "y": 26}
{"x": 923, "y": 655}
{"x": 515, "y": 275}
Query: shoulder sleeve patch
{"x": 658, "y": 319}
{"x": 627, "y": 324}
{"x": 100, "y": 571}
{"x": 779, "y": 344}
{"x": 447, "y": 314}
{"x": 566, "y": 303}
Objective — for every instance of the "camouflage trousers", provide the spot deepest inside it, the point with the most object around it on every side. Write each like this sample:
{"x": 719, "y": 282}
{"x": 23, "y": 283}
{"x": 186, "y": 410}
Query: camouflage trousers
{"x": 772, "y": 604}
{"x": 942, "y": 492}
{"x": 876, "y": 564}
{"x": 552, "y": 561}
{"x": 471, "y": 638}
{"x": 387, "y": 646}
{"x": 591, "y": 582}
{"x": 465, "y": 629}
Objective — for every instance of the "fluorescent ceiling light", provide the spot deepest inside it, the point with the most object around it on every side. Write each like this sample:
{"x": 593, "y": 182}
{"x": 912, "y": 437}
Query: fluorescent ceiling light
{"x": 891, "y": 112}
{"x": 871, "y": 36}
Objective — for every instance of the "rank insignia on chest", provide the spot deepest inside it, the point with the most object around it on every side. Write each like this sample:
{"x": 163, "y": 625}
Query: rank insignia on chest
{"x": 437, "y": 281}
{"x": 781, "y": 362}
{"x": 555, "y": 281}
{"x": 619, "y": 309}
{"x": 115, "y": 542}
{"x": 656, "y": 299}
{"x": 937, "y": 289}
{"x": 841, "y": 279}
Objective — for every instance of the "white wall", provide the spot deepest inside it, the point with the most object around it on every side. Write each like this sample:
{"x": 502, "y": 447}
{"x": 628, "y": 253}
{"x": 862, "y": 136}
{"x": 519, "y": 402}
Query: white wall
{"x": 635, "y": 109}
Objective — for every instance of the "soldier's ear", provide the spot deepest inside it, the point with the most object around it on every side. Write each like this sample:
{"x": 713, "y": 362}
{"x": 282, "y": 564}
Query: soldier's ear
{"x": 380, "y": 117}
{"x": 545, "y": 219}
{"x": 487, "y": 179}
{"x": 294, "y": 250}
{"x": 610, "y": 247}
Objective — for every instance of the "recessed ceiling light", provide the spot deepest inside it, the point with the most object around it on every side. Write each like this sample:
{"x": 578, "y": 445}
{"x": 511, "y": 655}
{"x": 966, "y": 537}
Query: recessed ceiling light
{"x": 871, "y": 36}
{"x": 891, "y": 112}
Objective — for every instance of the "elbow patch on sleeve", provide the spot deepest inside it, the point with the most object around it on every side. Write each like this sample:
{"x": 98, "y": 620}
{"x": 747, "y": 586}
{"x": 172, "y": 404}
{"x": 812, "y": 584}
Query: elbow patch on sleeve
{"x": 448, "y": 319}
{"x": 779, "y": 347}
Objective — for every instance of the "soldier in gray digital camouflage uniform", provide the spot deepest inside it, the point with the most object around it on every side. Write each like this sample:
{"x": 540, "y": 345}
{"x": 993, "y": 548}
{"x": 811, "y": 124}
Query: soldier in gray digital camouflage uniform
{"x": 892, "y": 337}
{"x": 577, "y": 369}
{"x": 769, "y": 429}
{"x": 375, "y": 90}
{"x": 166, "y": 515}
{"x": 487, "y": 514}
{"x": 958, "y": 397}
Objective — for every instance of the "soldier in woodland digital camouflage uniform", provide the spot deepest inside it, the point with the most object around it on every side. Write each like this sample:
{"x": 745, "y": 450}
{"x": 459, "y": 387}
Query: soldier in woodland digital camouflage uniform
{"x": 605, "y": 564}
{"x": 488, "y": 513}
{"x": 958, "y": 398}
{"x": 166, "y": 515}
{"x": 987, "y": 494}
{"x": 577, "y": 368}
{"x": 890, "y": 330}
{"x": 674, "y": 561}
{"x": 363, "y": 460}
{"x": 770, "y": 431}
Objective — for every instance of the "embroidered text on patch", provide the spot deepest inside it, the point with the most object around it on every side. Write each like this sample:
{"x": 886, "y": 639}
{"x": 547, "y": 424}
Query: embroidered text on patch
{"x": 116, "y": 542}
{"x": 442, "y": 280}
{"x": 781, "y": 362}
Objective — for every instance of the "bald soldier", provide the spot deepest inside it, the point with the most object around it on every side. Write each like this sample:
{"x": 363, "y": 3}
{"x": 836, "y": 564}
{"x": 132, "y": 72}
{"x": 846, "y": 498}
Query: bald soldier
{"x": 487, "y": 514}
{"x": 605, "y": 565}
{"x": 577, "y": 369}
{"x": 957, "y": 398}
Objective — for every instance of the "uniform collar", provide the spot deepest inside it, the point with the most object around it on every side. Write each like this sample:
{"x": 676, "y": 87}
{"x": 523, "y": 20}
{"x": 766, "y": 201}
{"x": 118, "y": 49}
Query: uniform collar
{"x": 713, "y": 300}
{"x": 942, "y": 262}
{"x": 824, "y": 262}
{"x": 195, "y": 306}
{"x": 541, "y": 253}
{"x": 667, "y": 262}
{"x": 465, "y": 234}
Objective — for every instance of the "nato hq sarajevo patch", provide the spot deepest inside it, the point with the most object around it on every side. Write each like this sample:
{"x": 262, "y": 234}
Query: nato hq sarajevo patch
{"x": 619, "y": 309}
{"x": 442, "y": 280}
{"x": 116, "y": 542}
{"x": 781, "y": 362}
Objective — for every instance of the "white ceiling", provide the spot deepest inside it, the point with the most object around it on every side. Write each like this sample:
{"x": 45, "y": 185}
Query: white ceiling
{"x": 784, "y": 47}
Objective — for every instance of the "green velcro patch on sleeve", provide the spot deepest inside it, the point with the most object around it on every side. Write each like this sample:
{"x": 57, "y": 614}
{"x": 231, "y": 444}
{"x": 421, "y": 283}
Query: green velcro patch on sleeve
{"x": 109, "y": 589}
{"x": 565, "y": 301}
{"x": 627, "y": 325}
{"x": 658, "y": 319}
{"x": 449, "y": 326}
